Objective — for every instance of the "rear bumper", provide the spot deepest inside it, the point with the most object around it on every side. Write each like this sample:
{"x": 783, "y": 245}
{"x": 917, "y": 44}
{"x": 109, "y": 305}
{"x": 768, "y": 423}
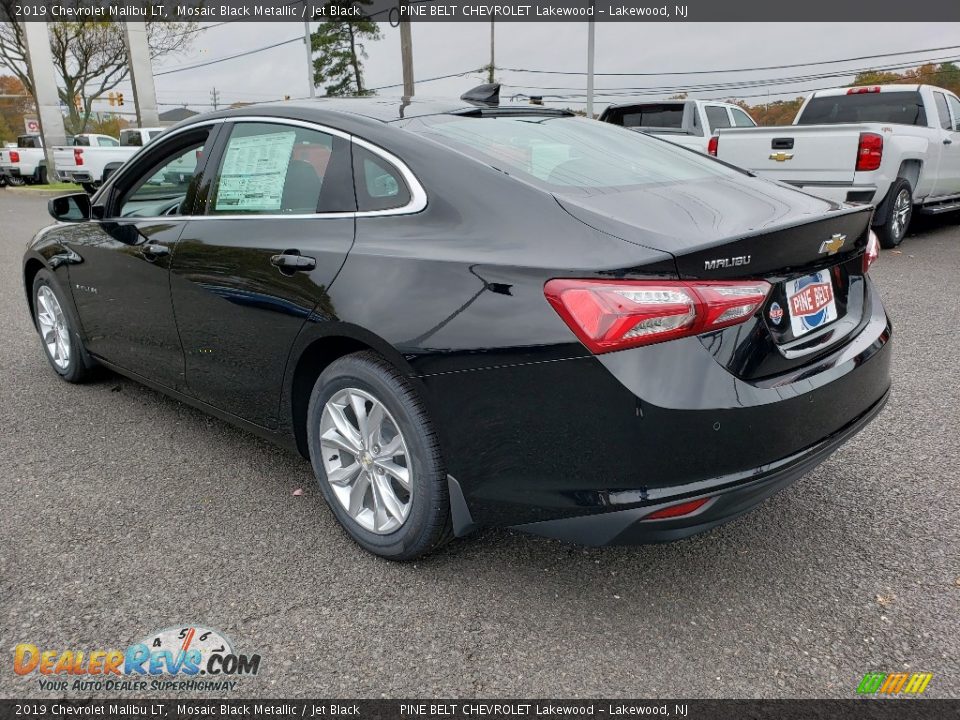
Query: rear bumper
{"x": 10, "y": 171}
{"x": 842, "y": 193}
{"x": 78, "y": 176}
{"x": 554, "y": 445}
{"x": 729, "y": 497}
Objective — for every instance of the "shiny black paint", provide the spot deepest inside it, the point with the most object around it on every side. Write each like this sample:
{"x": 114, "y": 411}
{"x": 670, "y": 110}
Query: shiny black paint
{"x": 532, "y": 426}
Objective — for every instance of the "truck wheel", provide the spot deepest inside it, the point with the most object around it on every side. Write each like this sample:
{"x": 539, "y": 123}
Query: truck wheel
{"x": 892, "y": 231}
{"x": 15, "y": 181}
{"x": 41, "y": 176}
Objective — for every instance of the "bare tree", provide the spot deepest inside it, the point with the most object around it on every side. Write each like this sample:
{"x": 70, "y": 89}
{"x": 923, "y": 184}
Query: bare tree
{"x": 90, "y": 58}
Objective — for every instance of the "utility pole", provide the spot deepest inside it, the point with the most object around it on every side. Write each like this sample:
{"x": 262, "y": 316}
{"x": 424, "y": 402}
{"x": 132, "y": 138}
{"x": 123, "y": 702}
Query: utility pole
{"x": 215, "y": 98}
{"x": 309, "y": 45}
{"x": 492, "y": 66}
{"x": 406, "y": 56}
{"x": 590, "y": 47}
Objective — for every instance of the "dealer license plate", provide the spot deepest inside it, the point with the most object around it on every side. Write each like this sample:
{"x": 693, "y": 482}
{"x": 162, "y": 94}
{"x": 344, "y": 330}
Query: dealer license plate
{"x": 810, "y": 302}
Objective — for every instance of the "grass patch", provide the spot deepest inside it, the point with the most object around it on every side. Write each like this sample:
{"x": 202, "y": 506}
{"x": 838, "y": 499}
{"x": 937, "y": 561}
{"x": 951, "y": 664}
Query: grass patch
{"x": 53, "y": 186}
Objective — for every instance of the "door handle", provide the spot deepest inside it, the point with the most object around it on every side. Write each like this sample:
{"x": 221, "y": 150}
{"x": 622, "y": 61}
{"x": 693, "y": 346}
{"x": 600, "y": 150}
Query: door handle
{"x": 289, "y": 262}
{"x": 151, "y": 251}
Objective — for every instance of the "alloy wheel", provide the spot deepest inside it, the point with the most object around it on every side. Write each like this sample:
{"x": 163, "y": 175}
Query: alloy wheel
{"x": 53, "y": 327}
{"x": 366, "y": 460}
{"x": 901, "y": 211}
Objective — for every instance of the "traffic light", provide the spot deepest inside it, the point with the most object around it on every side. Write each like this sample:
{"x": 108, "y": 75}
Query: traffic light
{"x": 112, "y": 99}
{"x": 120, "y": 99}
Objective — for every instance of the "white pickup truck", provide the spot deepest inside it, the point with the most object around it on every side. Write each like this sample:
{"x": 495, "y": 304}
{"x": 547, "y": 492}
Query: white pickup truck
{"x": 691, "y": 123}
{"x": 27, "y": 163}
{"x": 91, "y": 166}
{"x": 897, "y": 146}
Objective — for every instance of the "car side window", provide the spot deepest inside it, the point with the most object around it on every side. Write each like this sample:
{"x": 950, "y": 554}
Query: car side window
{"x": 942, "y": 112}
{"x": 107, "y": 142}
{"x": 276, "y": 169}
{"x": 741, "y": 119}
{"x": 955, "y": 107}
{"x": 717, "y": 117}
{"x": 161, "y": 182}
{"x": 379, "y": 185}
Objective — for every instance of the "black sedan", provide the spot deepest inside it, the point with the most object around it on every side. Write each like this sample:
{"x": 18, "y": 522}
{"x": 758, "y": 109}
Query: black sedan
{"x": 469, "y": 314}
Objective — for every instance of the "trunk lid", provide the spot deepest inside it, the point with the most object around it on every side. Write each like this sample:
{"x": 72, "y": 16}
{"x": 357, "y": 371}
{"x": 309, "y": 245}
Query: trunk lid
{"x": 808, "y": 249}
{"x": 794, "y": 154}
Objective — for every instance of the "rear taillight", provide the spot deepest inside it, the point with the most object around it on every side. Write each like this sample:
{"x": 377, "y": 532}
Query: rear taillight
{"x": 712, "y": 144}
{"x": 614, "y": 315}
{"x": 678, "y": 510}
{"x": 14, "y": 156}
{"x": 872, "y": 252}
{"x": 862, "y": 90}
{"x": 869, "y": 151}
{"x": 77, "y": 156}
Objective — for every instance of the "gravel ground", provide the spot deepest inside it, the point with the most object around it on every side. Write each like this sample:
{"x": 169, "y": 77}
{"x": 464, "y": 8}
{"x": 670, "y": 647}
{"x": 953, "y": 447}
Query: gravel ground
{"x": 125, "y": 512}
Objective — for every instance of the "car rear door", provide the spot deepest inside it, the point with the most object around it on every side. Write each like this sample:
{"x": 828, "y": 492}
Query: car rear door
{"x": 277, "y": 224}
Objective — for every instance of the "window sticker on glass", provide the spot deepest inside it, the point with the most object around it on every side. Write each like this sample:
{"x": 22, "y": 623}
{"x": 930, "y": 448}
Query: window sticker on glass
{"x": 254, "y": 172}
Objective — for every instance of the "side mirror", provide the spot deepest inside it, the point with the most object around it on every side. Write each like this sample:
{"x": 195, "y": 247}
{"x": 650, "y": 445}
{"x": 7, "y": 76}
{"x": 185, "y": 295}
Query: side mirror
{"x": 70, "y": 208}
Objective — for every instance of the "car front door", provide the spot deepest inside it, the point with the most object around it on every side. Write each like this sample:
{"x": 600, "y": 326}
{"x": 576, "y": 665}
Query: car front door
{"x": 121, "y": 282}
{"x": 277, "y": 224}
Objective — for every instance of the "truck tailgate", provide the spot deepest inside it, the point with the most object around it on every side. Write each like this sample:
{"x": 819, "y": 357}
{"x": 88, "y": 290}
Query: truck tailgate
{"x": 63, "y": 158}
{"x": 794, "y": 153}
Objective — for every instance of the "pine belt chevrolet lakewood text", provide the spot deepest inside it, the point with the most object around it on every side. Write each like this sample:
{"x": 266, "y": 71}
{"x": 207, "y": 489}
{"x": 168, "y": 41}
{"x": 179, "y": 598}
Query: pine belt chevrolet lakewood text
{"x": 468, "y": 314}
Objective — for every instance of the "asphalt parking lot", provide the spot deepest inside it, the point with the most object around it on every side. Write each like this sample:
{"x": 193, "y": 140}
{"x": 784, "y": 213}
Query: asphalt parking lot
{"x": 125, "y": 512}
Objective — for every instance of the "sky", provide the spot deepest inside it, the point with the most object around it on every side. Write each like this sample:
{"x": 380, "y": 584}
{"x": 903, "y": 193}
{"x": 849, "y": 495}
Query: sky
{"x": 628, "y": 47}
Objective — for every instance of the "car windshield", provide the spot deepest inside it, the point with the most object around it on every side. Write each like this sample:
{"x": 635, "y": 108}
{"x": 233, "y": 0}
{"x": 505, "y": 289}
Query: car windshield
{"x": 564, "y": 154}
{"x": 901, "y": 108}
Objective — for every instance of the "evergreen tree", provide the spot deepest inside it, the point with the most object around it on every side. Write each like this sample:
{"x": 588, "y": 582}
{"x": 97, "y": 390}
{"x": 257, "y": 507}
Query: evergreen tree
{"x": 340, "y": 51}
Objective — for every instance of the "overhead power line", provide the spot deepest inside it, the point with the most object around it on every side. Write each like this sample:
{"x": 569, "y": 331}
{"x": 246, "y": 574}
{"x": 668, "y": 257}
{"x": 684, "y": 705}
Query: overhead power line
{"x": 730, "y": 70}
{"x": 298, "y": 39}
{"x": 746, "y": 84}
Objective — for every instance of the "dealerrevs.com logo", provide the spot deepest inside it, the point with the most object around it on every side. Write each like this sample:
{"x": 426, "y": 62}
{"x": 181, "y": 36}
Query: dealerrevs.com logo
{"x": 176, "y": 658}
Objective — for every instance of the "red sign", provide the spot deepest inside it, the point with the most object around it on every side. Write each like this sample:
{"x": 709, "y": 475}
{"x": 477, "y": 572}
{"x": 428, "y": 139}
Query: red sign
{"x": 31, "y": 125}
{"x": 811, "y": 299}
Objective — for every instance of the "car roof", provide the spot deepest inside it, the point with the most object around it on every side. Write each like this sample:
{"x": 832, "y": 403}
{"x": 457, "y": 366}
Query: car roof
{"x": 882, "y": 88}
{"x": 383, "y": 108}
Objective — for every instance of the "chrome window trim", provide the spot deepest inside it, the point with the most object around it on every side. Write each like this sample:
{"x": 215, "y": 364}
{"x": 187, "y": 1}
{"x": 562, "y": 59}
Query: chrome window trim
{"x": 418, "y": 196}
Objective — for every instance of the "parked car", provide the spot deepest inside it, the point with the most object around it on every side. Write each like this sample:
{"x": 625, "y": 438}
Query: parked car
{"x": 897, "y": 146}
{"x": 469, "y": 314}
{"x": 27, "y": 162}
{"x": 691, "y": 123}
{"x": 90, "y": 166}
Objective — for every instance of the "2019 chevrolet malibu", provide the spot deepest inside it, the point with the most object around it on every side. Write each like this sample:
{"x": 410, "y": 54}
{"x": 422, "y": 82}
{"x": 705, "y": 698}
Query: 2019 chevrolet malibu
{"x": 470, "y": 314}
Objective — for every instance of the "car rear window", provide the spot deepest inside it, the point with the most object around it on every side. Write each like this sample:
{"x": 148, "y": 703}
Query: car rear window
{"x": 647, "y": 116}
{"x": 900, "y": 108}
{"x": 561, "y": 154}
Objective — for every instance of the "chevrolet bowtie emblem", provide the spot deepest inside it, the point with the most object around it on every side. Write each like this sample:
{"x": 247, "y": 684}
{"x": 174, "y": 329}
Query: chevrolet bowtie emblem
{"x": 834, "y": 244}
{"x": 781, "y": 156}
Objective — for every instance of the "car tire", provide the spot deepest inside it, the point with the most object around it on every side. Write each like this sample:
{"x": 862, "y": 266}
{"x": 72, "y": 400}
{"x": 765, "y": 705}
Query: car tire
{"x": 58, "y": 336}
{"x": 383, "y": 515}
{"x": 41, "y": 175}
{"x": 16, "y": 181}
{"x": 899, "y": 214}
